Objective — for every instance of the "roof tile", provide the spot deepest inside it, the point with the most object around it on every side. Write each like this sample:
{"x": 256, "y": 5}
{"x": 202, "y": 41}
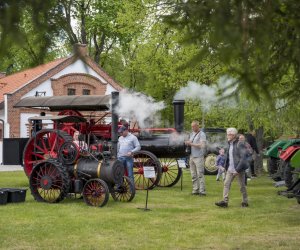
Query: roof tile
{"x": 9, "y": 84}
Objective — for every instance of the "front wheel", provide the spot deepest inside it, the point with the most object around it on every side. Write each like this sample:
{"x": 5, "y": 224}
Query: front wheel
{"x": 123, "y": 192}
{"x": 95, "y": 193}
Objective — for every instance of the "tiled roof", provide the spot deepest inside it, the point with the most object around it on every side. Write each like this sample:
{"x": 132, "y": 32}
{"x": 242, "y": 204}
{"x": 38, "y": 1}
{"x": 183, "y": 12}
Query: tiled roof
{"x": 9, "y": 84}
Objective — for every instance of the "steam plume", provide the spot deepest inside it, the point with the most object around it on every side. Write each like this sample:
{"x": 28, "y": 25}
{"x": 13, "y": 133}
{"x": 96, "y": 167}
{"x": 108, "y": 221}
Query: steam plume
{"x": 139, "y": 107}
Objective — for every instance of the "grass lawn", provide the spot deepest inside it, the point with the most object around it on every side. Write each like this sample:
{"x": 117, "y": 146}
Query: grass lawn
{"x": 177, "y": 220}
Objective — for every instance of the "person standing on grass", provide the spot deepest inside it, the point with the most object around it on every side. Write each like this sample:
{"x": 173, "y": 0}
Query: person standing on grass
{"x": 220, "y": 163}
{"x": 250, "y": 137}
{"x": 249, "y": 152}
{"x": 127, "y": 145}
{"x": 235, "y": 165}
{"x": 197, "y": 142}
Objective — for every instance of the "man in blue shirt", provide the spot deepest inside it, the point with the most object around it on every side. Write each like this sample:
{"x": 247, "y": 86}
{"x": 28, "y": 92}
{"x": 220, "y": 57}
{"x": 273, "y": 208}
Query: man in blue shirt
{"x": 127, "y": 145}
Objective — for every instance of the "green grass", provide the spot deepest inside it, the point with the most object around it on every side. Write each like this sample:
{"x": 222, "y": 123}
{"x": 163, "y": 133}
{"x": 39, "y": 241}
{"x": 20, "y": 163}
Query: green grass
{"x": 177, "y": 220}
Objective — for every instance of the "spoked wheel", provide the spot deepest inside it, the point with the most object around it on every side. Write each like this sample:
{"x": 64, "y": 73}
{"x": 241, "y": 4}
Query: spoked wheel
{"x": 124, "y": 192}
{"x": 68, "y": 153}
{"x": 171, "y": 172}
{"x": 145, "y": 159}
{"x": 43, "y": 146}
{"x": 210, "y": 164}
{"x": 95, "y": 193}
{"x": 49, "y": 182}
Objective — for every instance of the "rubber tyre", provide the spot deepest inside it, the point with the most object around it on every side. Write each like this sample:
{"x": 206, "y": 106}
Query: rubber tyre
{"x": 273, "y": 165}
{"x": 288, "y": 175}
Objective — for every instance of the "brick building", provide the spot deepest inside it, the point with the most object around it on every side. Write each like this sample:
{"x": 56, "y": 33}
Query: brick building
{"x": 77, "y": 74}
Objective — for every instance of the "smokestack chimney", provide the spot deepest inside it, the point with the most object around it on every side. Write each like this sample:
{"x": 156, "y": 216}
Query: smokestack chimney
{"x": 114, "y": 122}
{"x": 179, "y": 115}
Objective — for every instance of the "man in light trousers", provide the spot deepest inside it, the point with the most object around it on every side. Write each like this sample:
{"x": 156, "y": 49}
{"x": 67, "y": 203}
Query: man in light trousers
{"x": 197, "y": 142}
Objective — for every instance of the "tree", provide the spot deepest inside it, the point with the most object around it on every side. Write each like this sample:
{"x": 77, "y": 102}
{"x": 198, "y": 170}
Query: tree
{"x": 257, "y": 40}
{"x": 26, "y": 31}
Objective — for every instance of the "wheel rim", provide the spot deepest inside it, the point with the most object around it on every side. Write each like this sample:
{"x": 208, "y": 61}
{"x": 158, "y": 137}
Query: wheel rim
{"x": 142, "y": 159}
{"x": 42, "y": 147}
{"x": 171, "y": 172}
{"x": 48, "y": 182}
{"x": 125, "y": 192}
{"x": 95, "y": 193}
{"x": 210, "y": 163}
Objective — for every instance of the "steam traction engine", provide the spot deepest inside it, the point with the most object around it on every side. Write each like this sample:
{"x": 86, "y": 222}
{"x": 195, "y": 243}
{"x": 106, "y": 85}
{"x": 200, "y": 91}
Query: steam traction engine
{"x": 56, "y": 167}
{"x": 100, "y": 135}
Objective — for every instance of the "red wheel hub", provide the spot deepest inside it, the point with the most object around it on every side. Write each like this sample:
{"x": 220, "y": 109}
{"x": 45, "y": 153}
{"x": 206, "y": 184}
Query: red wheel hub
{"x": 46, "y": 182}
{"x": 165, "y": 169}
{"x": 141, "y": 171}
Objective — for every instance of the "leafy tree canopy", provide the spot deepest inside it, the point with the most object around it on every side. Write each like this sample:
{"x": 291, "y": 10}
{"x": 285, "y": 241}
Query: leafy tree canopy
{"x": 258, "y": 41}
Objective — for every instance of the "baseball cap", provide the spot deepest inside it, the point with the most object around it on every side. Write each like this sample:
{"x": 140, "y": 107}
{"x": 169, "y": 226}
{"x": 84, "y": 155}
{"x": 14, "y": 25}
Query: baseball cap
{"x": 122, "y": 129}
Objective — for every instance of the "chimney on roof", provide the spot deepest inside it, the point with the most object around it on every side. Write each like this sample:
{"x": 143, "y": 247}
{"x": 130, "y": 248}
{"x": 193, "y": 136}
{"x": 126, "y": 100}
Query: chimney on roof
{"x": 80, "y": 49}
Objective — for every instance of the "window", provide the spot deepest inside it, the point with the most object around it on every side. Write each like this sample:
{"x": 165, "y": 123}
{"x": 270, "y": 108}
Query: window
{"x": 86, "y": 92}
{"x": 71, "y": 91}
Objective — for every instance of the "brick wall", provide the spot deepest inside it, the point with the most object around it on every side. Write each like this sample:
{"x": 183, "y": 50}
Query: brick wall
{"x": 60, "y": 86}
{"x": 78, "y": 82}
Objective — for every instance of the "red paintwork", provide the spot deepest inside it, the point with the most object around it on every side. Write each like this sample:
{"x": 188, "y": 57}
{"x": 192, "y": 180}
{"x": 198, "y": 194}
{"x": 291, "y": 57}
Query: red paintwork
{"x": 288, "y": 153}
{"x": 99, "y": 129}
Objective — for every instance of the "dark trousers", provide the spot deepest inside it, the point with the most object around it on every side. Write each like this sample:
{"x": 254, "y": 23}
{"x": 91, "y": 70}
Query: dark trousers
{"x": 252, "y": 167}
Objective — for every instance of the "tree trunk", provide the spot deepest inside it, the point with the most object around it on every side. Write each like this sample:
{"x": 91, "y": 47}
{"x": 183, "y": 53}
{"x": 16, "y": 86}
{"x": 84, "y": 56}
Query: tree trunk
{"x": 258, "y": 163}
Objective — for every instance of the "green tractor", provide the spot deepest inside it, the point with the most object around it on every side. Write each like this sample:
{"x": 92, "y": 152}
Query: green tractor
{"x": 276, "y": 166}
{"x": 291, "y": 156}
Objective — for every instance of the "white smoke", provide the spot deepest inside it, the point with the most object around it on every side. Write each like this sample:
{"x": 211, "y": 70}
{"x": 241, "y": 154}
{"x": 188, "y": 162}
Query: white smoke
{"x": 208, "y": 95}
{"x": 138, "y": 107}
{"x": 195, "y": 91}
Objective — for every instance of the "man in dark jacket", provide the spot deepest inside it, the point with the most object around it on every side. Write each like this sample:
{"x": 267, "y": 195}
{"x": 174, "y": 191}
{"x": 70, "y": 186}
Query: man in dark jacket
{"x": 235, "y": 165}
{"x": 252, "y": 141}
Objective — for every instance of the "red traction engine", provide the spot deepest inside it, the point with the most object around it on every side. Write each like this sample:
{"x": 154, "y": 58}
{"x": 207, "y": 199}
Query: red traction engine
{"x": 56, "y": 167}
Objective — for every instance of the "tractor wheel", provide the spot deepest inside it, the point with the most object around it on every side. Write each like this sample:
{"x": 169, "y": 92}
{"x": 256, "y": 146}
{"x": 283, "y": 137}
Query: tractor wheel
{"x": 124, "y": 192}
{"x": 43, "y": 146}
{"x": 49, "y": 182}
{"x": 171, "y": 172}
{"x": 95, "y": 193}
{"x": 145, "y": 159}
{"x": 210, "y": 167}
{"x": 68, "y": 153}
{"x": 273, "y": 165}
{"x": 288, "y": 175}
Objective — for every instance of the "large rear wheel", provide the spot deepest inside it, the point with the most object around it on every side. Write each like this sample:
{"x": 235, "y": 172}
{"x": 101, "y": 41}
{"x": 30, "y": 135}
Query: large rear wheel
{"x": 145, "y": 159}
{"x": 49, "y": 182}
{"x": 43, "y": 146}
